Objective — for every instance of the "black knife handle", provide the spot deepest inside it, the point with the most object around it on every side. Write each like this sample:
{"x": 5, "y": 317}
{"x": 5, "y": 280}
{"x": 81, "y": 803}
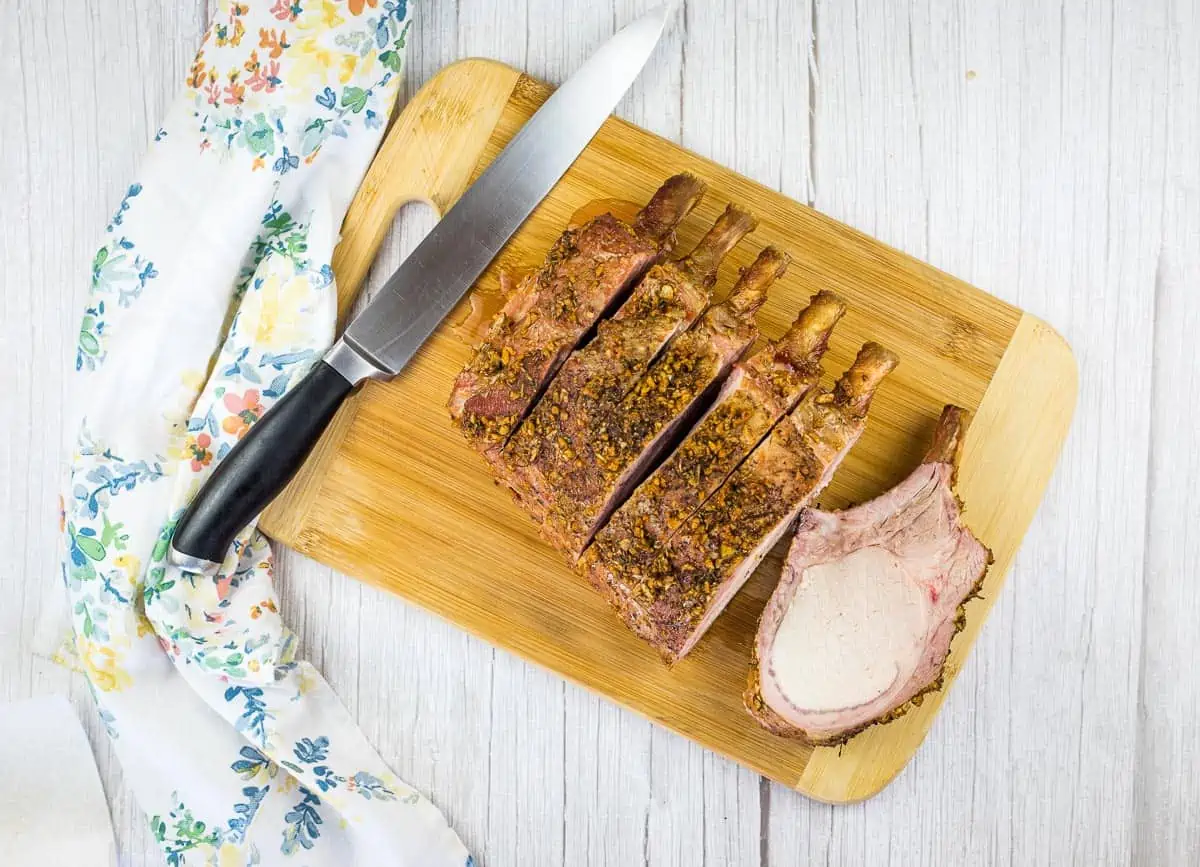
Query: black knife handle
{"x": 256, "y": 469}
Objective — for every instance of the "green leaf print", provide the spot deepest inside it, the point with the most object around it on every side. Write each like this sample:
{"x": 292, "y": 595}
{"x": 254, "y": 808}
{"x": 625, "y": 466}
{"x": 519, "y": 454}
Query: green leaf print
{"x": 87, "y": 341}
{"x": 156, "y": 587}
{"x": 85, "y": 550}
{"x": 163, "y": 543}
{"x": 89, "y": 626}
{"x": 90, "y": 546}
{"x": 392, "y": 60}
{"x": 110, "y": 534}
{"x": 314, "y": 136}
{"x": 277, "y": 220}
{"x": 354, "y": 98}
{"x": 260, "y": 136}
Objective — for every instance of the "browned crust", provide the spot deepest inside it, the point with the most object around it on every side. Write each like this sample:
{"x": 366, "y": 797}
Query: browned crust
{"x": 557, "y": 439}
{"x": 496, "y": 389}
{"x": 691, "y": 363}
{"x": 595, "y": 442}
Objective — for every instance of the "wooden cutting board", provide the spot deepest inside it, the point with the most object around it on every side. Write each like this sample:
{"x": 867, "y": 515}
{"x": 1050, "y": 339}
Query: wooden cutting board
{"x": 395, "y": 497}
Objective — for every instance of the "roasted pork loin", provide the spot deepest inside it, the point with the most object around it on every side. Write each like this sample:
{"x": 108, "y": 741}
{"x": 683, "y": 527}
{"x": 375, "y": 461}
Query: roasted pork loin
{"x": 757, "y": 394}
{"x": 860, "y": 626}
{"x": 551, "y": 463}
{"x": 667, "y": 399}
{"x": 672, "y": 600}
{"x": 588, "y": 271}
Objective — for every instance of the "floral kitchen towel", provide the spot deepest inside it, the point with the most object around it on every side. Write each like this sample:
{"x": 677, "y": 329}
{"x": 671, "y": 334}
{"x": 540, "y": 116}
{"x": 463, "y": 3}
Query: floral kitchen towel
{"x": 211, "y": 294}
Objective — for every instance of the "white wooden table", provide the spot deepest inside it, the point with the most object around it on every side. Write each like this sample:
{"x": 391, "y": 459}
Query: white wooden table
{"x": 1047, "y": 152}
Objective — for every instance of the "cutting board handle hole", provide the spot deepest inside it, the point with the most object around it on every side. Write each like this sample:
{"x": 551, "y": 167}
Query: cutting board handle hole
{"x": 412, "y": 222}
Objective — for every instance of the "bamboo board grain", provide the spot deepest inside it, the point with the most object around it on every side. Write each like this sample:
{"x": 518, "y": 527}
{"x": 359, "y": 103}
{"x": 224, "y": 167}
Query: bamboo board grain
{"x": 393, "y": 496}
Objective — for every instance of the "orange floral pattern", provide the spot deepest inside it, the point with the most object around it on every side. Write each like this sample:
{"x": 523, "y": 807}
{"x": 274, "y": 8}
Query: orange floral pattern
{"x": 245, "y": 410}
{"x": 330, "y": 85}
{"x": 197, "y": 448}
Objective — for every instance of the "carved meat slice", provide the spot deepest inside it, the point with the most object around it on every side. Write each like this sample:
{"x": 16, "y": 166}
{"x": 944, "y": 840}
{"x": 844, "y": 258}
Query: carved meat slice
{"x": 667, "y": 399}
{"x": 554, "y": 446}
{"x": 673, "y": 600}
{"x": 860, "y": 626}
{"x": 588, "y": 271}
{"x": 757, "y": 394}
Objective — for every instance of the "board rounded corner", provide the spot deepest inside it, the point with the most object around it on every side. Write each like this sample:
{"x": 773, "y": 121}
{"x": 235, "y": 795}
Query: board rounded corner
{"x": 843, "y": 793}
{"x": 836, "y": 775}
{"x": 1057, "y": 350}
{"x": 470, "y": 66}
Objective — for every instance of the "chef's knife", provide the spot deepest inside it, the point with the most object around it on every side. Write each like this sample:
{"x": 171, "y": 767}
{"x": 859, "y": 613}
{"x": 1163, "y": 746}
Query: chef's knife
{"x": 385, "y": 336}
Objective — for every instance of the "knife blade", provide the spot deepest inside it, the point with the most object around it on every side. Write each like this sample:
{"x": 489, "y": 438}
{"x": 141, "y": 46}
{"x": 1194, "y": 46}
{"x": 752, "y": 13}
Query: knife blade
{"x": 408, "y": 308}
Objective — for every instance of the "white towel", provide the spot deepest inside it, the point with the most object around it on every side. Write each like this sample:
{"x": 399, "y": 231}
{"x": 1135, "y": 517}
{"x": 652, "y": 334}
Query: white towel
{"x": 52, "y": 808}
{"x": 211, "y": 294}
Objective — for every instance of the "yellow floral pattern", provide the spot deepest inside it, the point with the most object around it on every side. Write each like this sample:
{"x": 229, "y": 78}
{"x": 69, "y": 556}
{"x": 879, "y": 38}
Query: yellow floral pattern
{"x": 277, "y": 314}
{"x": 102, "y": 664}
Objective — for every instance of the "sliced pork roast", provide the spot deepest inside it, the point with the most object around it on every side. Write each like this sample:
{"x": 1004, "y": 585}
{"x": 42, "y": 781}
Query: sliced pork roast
{"x": 860, "y": 626}
{"x": 553, "y": 448}
{"x": 673, "y": 600}
{"x": 668, "y": 398}
{"x": 757, "y": 394}
{"x": 588, "y": 271}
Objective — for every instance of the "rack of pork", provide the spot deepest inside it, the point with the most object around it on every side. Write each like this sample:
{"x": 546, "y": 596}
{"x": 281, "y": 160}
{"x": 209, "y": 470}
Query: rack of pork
{"x": 620, "y": 405}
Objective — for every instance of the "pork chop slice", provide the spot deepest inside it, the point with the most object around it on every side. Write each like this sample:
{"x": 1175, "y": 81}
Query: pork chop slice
{"x": 860, "y": 626}
{"x": 667, "y": 399}
{"x": 588, "y": 271}
{"x": 757, "y": 394}
{"x": 672, "y": 601}
{"x": 557, "y": 438}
